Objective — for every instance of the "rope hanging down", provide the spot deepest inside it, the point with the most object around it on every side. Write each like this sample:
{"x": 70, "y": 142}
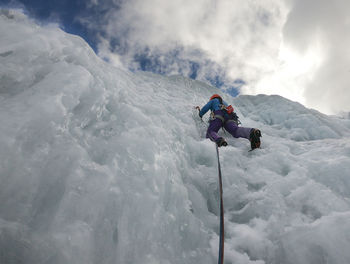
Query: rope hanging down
{"x": 222, "y": 232}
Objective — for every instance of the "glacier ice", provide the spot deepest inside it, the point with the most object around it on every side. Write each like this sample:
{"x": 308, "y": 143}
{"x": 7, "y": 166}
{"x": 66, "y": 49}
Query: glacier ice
{"x": 101, "y": 165}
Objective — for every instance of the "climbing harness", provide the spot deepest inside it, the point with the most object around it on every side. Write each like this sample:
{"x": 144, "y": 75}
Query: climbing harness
{"x": 214, "y": 116}
{"x": 222, "y": 232}
{"x": 234, "y": 118}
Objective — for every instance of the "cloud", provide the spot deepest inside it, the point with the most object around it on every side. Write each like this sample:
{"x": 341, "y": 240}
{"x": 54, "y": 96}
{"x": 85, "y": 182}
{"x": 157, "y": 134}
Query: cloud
{"x": 239, "y": 36}
{"x": 293, "y": 48}
{"x": 323, "y": 25}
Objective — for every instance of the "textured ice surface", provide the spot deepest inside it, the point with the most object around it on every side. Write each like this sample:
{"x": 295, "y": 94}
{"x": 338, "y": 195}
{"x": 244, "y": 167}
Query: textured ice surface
{"x": 100, "y": 165}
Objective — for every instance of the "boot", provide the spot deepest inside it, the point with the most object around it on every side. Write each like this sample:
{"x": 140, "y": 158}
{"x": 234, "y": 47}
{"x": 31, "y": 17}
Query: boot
{"x": 254, "y": 138}
{"x": 221, "y": 142}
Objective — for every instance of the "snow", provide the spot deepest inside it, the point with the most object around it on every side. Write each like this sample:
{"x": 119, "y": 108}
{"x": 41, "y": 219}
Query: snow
{"x": 101, "y": 165}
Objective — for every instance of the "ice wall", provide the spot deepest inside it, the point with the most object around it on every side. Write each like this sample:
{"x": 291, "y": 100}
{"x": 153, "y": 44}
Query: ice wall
{"x": 100, "y": 165}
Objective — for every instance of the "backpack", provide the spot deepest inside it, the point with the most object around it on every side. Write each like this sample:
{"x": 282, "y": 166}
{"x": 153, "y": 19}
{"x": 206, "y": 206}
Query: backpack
{"x": 229, "y": 110}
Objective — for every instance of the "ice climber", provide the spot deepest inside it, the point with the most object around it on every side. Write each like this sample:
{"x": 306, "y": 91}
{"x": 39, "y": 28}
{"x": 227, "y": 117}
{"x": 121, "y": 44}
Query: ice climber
{"x": 222, "y": 115}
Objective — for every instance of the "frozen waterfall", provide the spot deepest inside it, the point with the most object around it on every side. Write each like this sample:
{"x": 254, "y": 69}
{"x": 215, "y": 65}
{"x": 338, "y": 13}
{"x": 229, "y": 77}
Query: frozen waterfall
{"x": 101, "y": 165}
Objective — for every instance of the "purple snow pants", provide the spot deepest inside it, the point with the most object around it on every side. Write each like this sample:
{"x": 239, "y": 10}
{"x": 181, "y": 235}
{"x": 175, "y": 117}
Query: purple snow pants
{"x": 231, "y": 127}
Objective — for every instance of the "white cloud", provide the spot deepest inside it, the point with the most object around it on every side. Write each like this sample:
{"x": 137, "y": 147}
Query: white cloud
{"x": 324, "y": 24}
{"x": 295, "y": 48}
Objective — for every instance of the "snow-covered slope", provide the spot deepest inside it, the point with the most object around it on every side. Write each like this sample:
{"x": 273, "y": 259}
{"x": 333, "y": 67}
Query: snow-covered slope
{"x": 100, "y": 165}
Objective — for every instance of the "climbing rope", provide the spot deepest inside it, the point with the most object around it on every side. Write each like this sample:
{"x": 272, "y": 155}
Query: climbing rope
{"x": 222, "y": 232}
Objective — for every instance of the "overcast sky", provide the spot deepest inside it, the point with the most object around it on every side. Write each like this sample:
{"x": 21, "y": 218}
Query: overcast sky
{"x": 295, "y": 48}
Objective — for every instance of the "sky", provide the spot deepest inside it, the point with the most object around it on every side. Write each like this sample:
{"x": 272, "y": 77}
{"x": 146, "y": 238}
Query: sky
{"x": 293, "y": 48}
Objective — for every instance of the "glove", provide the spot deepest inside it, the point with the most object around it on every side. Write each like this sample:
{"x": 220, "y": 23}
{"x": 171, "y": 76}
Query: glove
{"x": 198, "y": 108}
